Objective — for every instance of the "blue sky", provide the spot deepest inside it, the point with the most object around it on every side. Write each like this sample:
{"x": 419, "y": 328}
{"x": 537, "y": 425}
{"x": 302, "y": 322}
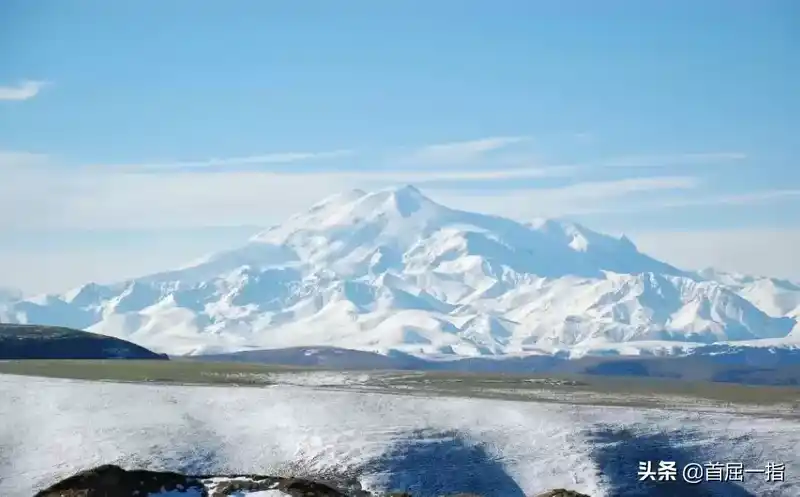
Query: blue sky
{"x": 139, "y": 135}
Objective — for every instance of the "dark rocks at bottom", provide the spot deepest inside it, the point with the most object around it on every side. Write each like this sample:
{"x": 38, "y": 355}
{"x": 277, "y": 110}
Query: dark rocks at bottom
{"x": 562, "y": 492}
{"x": 114, "y": 481}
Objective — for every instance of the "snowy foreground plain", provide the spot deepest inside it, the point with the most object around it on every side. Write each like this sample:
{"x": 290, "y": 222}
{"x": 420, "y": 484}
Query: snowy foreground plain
{"x": 325, "y": 424}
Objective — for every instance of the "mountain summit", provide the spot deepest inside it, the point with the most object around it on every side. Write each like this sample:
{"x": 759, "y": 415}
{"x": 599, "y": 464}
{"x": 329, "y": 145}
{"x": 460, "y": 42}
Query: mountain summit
{"x": 394, "y": 270}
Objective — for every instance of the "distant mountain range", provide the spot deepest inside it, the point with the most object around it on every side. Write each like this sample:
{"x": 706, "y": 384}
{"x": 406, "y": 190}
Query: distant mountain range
{"x": 717, "y": 363}
{"x": 776, "y": 297}
{"x": 393, "y": 272}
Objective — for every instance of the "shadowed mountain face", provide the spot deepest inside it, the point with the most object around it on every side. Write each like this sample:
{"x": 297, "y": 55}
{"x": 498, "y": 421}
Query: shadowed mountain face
{"x": 393, "y": 270}
{"x": 50, "y": 342}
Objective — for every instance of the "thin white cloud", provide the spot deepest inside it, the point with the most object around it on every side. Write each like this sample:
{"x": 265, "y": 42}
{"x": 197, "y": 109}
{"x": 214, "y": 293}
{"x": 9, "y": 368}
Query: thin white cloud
{"x": 265, "y": 159}
{"x": 701, "y": 158}
{"x": 22, "y": 91}
{"x": 616, "y": 188}
{"x": 578, "y": 198}
{"x": 12, "y": 159}
{"x": 36, "y": 194}
{"x": 55, "y": 268}
{"x": 737, "y": 199}
{"x": 165, "y": 196}
{"x": 97, "y": 197}
{"x": 465, "y": 175}
{"x": 459, "y": 153}
{"x": 751, "y": 198}
{"x": 769, "y": 252}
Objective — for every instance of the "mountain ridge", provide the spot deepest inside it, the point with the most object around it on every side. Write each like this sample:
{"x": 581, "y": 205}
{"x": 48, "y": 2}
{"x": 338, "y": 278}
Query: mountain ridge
{"x": 392, "y": 270}
{"x": 24, "y": 342}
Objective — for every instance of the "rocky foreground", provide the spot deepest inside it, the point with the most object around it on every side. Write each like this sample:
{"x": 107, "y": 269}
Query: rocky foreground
{"x": 113, "y": 481}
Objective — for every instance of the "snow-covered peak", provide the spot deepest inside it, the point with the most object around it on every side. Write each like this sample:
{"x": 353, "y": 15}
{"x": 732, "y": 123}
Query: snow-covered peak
{"x": 341, "y": 198}
{"x": 581, "y": 238}
{"x": 359, "y": 233}
{"x": 394, "y": 270}
{"x": 358, "y": 222}
{"x": 403, "y": 200}
{"x": 356, "y": 207}
{"x": 398, "y": 202}
{"x": 725, "y": 277}
{"x": 777, "y": 297}
{"x": 87, "y": 293}
{"x": 738, "y": 279}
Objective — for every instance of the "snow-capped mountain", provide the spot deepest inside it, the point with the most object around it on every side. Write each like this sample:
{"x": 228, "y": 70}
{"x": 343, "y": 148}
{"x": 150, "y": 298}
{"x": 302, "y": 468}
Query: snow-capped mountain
{"x": 394, "y": 270}
{"x": 776, "y": 297}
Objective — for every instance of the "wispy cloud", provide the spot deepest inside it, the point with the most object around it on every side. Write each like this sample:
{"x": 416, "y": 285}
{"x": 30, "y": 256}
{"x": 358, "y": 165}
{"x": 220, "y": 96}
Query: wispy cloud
{"x": 495, "y": 152}
{"x": 23, "y": 91}
{"x": 737, "y": 250}
{"x": 250, "y": 160}
{"x": 468, "y": 160}
{"x": 131, "y": 197}
{"x": 184, "y": 194}
{"x": 575, "y": 199}
{"x": 195, "y": 199}
{"x": 664, "y": 160}
{"x": 605, "y": 189}
{"x": 659, "y": 204}
{"x": 13, "y": 159}
{"x": 459, "y": 153}
{"x": 468, "y": 175}
{"x": 729, "y": 199}
{"x": 392, "y": 175}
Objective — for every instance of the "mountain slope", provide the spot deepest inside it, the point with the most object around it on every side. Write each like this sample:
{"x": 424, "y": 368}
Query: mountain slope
{"x": 776, "y": 297}
{"x": 393, "y": 270}
{"x": 49, "y": 342}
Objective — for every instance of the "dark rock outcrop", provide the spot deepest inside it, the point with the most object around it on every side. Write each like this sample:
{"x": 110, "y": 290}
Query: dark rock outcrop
{"x": 295, "y": 487}
{"x": 113, "y": 481}
{"x": 22, "y": 341}
{"x": 561, "y": 492}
